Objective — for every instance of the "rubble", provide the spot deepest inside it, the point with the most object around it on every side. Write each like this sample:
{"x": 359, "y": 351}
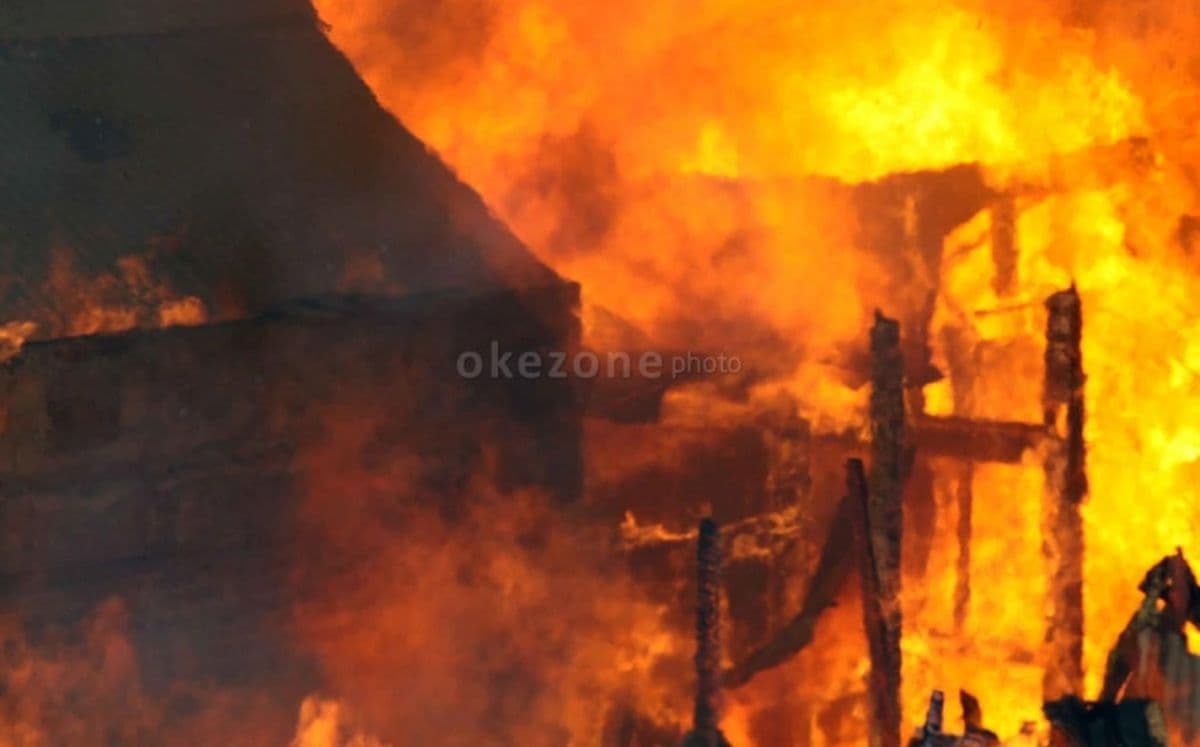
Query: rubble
{"x": 1150, "y": 660}
{"x": 930, "y": 733}
{"x": 1132, "y": 723}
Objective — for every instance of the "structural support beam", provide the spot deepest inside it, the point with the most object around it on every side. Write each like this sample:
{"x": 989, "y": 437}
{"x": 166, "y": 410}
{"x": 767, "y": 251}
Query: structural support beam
{"x": 1066, "y": 488}
{"x": 706, "y": 714}
{"x": 884, "y": 527}
{"x": 883, "y": 684}
{"x": 974, "y": 440}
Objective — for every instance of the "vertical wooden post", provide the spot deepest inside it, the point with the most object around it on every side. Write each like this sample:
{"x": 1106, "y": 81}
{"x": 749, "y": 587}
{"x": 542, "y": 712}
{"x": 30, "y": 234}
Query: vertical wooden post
{"x": 1066, "y": 488}
{"x": 706, "y": 714}
{"x": 883, "y": 701}
{"x": 884, "y": 518}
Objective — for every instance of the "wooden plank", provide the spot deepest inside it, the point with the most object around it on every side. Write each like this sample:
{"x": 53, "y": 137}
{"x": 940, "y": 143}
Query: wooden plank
{"x": 975, "y": 440}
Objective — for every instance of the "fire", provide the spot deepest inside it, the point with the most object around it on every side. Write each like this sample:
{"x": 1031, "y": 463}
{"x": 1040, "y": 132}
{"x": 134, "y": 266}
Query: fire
{"x": 475, "y": 618}
{"x": 694, "y": 165}
{"x": 687, "y": 198}
{"x": 117, "y": 301}
{"x": 83, "y": 684}
{"x": 322, "y": 723}
{"x": 684, "y": 161}
{"x": 129, "y": 296}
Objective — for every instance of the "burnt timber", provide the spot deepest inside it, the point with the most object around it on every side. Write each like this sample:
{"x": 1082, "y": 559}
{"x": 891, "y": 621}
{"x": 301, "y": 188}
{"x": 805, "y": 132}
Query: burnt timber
{"x": 1066, "y": 484}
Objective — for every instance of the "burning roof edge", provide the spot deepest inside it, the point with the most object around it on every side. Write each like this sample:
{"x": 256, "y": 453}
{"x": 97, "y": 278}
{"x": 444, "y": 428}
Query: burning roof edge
{"x": 551, "y": 305}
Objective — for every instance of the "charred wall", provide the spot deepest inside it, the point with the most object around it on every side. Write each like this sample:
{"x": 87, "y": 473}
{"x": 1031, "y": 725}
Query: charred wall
{"x": 160, "y": 466}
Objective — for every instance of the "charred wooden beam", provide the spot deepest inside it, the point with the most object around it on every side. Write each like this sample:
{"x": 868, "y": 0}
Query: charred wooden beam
{"x": 708, "y": 633}
{"x": 833, "y": 569}
{"x": 972, "y": 711}
{"x": 934, "y": 718}
{"x": 975, "y": 440}
{"x": 1066, "y": 486}
{"x": 706, "y": 712}
{"x": 883, "y": 528}
{"x": 879, "y": 622}
{"x": 935, "y": 435}
{"x": 957, "y": 438}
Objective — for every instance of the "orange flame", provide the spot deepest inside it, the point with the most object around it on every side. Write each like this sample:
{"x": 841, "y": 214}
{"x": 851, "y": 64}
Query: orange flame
{"x": 693, "y": 165}
{"x": 680, "y": 160}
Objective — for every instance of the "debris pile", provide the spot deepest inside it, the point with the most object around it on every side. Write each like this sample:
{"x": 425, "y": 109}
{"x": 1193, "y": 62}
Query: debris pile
{"x": 930, "y": 733}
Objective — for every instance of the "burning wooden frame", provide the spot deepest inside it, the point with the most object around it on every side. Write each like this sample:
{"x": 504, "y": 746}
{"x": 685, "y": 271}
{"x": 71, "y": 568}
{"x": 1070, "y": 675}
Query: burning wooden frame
{"x": 868, "y": 518}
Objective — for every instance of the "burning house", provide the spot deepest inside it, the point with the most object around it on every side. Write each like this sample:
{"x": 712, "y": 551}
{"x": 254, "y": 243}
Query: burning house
{"x": 198, "y": 290}
{"x": 920, "y": 279}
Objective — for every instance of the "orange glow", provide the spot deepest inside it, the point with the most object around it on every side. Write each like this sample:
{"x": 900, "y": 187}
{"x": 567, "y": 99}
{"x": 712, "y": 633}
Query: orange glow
{"x": 322, "y": 724}
{"x": 444, "y": 604}
{"x": 689, "y": 163}
{"x": 700, "y": 168}
{"x": 129, "y": 298}
{"x": 88, "y": 689}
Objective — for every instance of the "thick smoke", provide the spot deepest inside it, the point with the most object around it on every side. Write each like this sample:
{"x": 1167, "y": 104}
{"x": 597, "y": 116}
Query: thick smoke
{"x": 472, "y": 617}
